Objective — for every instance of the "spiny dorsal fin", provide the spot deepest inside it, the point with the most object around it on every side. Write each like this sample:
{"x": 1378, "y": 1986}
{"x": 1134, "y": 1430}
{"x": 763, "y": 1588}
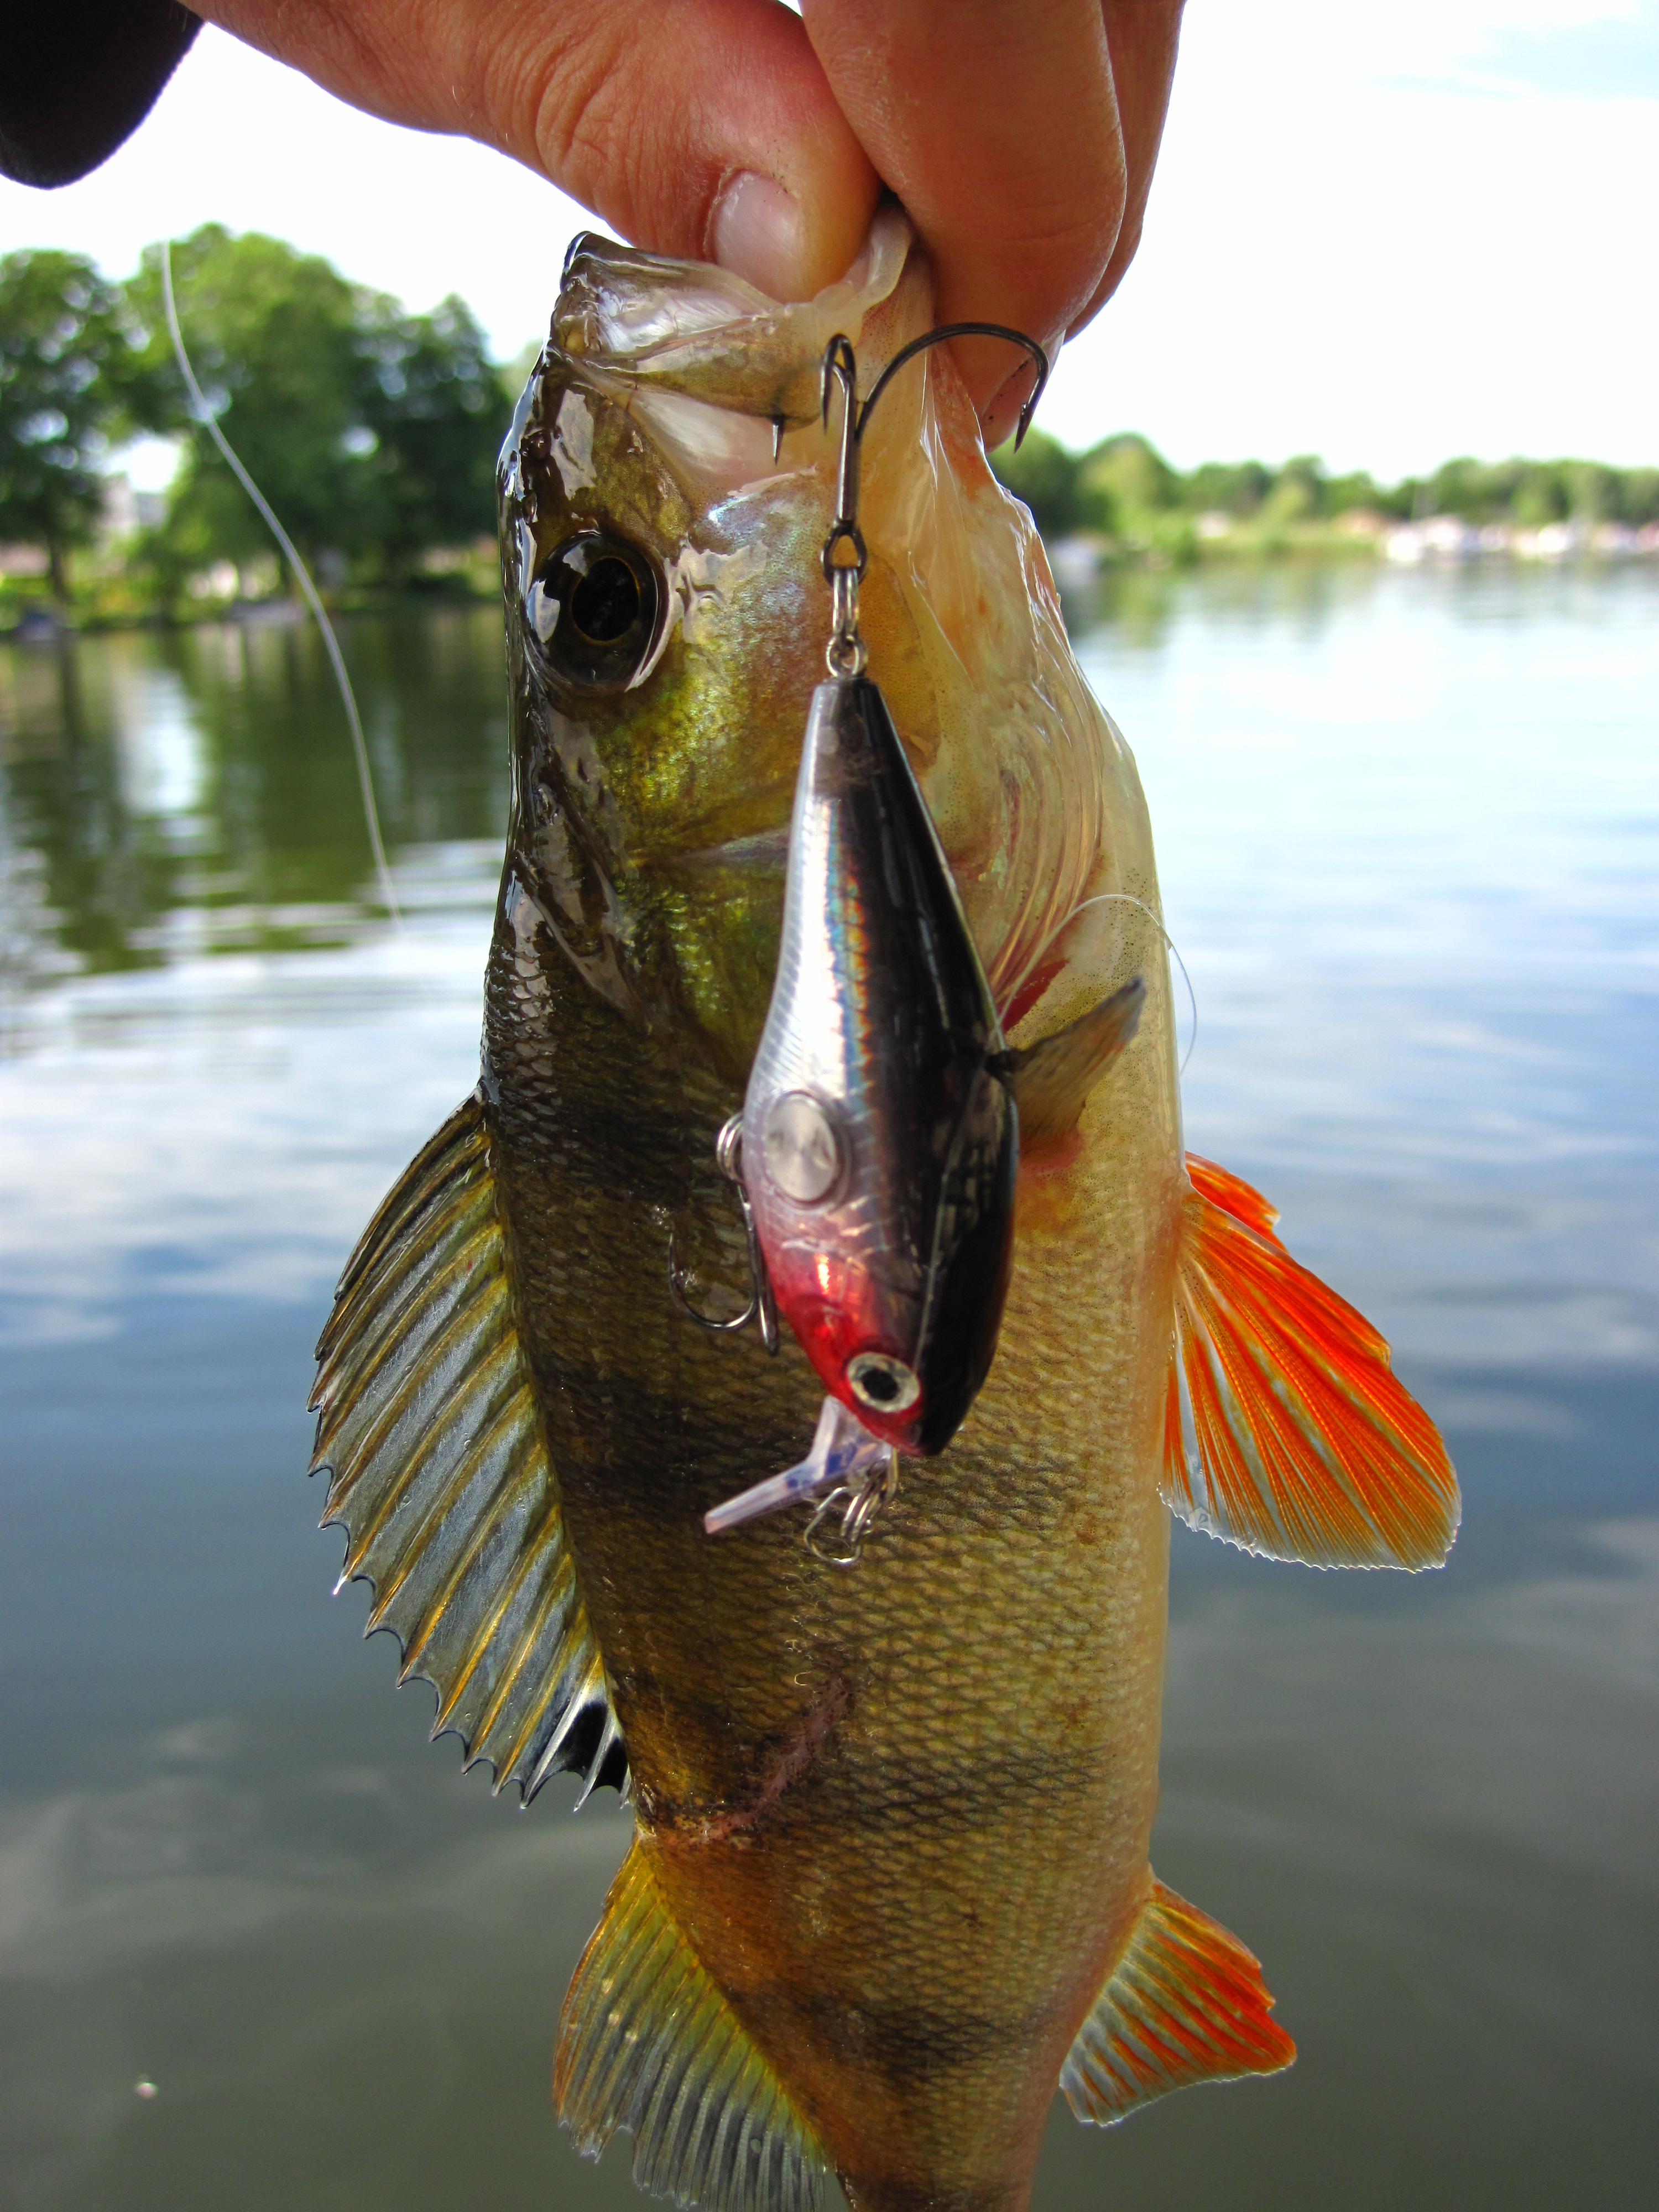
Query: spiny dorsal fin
{"x": 429, "y": 1426}
{"x": 646, "y": 2042}
{"x": 1051, "y": 1079}
{"x": 1303, "y": 1443}
{"x": 1185, "y": 2003}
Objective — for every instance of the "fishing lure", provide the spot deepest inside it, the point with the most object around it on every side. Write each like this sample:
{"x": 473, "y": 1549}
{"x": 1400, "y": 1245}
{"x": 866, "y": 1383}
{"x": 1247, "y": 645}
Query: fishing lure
{"x": 877, "y": 1148}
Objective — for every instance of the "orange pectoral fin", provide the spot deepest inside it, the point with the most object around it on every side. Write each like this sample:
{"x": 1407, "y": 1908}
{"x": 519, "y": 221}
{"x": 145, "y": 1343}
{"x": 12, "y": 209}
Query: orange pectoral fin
{"x": 1307, "y": 1447}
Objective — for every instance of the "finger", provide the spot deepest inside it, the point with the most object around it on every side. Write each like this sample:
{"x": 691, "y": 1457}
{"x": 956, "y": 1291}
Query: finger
{"x": 999, "y": 127}
{"x": 1143, "y": 41}
{"x": 698, "y": 127}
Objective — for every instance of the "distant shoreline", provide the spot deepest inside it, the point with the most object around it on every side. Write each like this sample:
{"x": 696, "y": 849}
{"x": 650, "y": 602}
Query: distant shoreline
{"x": 1119, "y": 506}
{"x": 1078, "y": 561}
{"x": 1443, "y": 541}
{"x": 1121, "y": 501}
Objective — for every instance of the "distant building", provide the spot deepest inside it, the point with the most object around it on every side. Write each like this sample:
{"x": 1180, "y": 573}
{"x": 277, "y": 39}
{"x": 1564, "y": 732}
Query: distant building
{"x": 126, "y": 512}
{"x": 1441, "y": 537}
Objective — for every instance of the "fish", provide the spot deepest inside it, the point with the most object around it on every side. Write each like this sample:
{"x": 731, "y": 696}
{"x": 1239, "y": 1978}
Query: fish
{"x": 889, "y": 1886}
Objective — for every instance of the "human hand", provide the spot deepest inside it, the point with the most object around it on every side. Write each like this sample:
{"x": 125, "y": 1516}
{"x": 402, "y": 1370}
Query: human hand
{"x": 1020, "y": 138}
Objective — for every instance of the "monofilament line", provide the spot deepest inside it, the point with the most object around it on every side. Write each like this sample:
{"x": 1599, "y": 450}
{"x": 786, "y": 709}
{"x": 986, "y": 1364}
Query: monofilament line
{"x": 204, "y": 415}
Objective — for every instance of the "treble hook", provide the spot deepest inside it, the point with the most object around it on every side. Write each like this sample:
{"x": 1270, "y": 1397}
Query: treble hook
{"x": 964, "y": 331}
{"x": 859, "y": 1505}
{"x": 846, "y": 653}
{"x": 762, "y": 1306}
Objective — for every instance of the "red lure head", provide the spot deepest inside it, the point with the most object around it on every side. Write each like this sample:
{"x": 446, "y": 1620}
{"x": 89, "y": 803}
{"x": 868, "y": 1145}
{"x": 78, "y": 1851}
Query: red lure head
{"x": 856, "y": 1338}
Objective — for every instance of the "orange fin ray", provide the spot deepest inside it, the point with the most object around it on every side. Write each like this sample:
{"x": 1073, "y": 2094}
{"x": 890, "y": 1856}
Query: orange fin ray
{"x": 1184, "y": 2004}
{"x": 1285, "y": 1430}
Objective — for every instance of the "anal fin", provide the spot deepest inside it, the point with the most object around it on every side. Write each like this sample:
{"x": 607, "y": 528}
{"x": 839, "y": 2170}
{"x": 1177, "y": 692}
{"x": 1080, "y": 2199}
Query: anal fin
{"x": 648, "y": 2043}
{"x": 1285, "y": 1430}
{"x": 1051, "y": 1079}
{"x": 1185, "y": 2003}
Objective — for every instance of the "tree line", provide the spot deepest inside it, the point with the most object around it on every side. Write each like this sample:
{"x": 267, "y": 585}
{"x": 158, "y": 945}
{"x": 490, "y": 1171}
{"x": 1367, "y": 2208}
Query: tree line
{"x": 1123, "y": 489}
{"x": 373, "y": 432}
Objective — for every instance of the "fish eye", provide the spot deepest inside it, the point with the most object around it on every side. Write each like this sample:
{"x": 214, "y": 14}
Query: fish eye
{"x": 591, "y": 607}
{"x": 887, "y": 1386}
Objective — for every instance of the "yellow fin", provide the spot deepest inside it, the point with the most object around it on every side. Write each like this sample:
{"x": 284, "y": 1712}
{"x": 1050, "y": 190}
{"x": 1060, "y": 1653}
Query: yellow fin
{"x": 1185, "y": 2003}
{"x": 647, "y": 2043}
{"x": 1051, "y": 1079}
{"x": 1303, "y": 1444}
{"x": 430, "y": 1429}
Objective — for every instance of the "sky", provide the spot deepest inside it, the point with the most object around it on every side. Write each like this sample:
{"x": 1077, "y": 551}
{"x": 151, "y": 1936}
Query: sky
{"x": 1383, "y": 235}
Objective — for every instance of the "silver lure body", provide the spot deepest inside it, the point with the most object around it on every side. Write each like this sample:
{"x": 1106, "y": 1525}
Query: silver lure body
{"x": 880, "y": 1149}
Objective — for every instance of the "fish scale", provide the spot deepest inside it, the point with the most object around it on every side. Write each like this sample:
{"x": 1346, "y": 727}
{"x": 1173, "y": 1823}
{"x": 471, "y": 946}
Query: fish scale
{"x": 889, "y": 1886}
{"x": 973, "y": 1760}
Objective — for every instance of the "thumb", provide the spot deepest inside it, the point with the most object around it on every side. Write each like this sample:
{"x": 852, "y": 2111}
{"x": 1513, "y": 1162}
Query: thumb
{"x": 705, "y": 128}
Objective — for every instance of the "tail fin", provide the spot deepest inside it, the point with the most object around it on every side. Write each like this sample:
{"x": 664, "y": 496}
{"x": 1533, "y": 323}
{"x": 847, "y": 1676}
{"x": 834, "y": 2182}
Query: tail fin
{"x": 1307, "y": 1447}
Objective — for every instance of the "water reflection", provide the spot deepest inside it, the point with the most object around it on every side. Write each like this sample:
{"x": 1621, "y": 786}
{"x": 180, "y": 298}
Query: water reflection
{"x": 194, "y": 790}
{"x": 1408, "y": 828}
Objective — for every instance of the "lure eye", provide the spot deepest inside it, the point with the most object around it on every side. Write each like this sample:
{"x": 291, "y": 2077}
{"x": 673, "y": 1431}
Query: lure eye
{"x": 887, "y": 1386}
{"x": 802, "y": 1148}
{"x": 592, "y": 609}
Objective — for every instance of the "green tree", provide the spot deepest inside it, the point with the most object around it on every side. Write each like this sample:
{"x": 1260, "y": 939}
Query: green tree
{"x": 1540, "y": 495}
{"x": 436, "y": 407}
{"x": 1227, "y": 487}
{"x": 1592, "y": 490}
{"x": 371, "y": 432}
{"x": 272, "y": 336}
{"x": 64, "y": 369}
{"x": 1356, "y": 489}
{"x": 1298, "y": 492}
{"x": 1639, "y": 496}
{"x": 1123, "y": 483}
{"x": 1044, "y": 474}
{"x": 1478, "y": 491}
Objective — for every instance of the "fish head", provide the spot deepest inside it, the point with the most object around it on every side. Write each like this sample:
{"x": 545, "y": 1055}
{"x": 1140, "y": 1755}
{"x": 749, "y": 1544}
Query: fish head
{"x": 665, "y": 491}
{"x": 666, "y": 623}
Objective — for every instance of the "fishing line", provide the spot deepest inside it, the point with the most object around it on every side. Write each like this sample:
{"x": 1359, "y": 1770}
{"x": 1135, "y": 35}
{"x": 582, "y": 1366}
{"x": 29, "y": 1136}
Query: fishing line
{"x": 1128, "y": 898}
{"x": 204, "y": 415}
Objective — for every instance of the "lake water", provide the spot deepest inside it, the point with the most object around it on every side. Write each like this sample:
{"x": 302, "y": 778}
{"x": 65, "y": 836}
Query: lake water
{"x": 1408, "y": 828}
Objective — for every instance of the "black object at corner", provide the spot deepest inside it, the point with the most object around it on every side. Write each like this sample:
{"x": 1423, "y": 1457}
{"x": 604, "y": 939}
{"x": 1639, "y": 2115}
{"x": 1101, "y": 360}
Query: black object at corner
{"x": 78, "y": 77}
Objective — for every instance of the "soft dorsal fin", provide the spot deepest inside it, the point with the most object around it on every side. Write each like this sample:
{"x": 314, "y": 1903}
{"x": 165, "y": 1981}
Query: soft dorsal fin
{"x": 1185, "y": 2003}
{"x": 428, "y": 1427}
{"x": 1051, "y": 1079}
{"x": 1303, "y": 1444}
{"x": 647, "y": 2043}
